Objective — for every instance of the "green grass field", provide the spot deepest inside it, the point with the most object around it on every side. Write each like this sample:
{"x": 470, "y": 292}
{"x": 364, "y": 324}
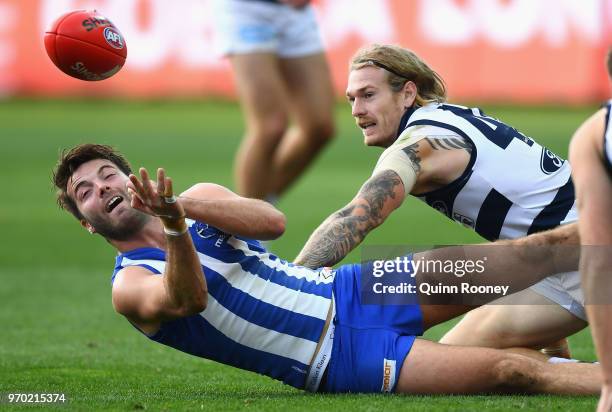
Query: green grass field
{"x": 59, "y": 331}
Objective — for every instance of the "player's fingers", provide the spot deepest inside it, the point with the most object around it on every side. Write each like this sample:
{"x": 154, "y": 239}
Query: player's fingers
{"x": 134, "y": 195}
{"x": 138, "y": 188}
{"x": 169, "y": 190}
{"x": 134, "y": 199}
{"x": 161, "y": 184}
{"x": 130, "y": 186}
{"x": 146, "y": 182}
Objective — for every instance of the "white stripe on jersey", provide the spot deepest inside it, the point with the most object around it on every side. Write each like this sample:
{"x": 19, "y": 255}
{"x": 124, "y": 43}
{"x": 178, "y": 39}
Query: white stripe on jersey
{"x": 470, "y": 198}
{"x": 157, "y": 264}
{"x": 297, "y": 272}
{"x": 253, "y": 285}
{"x": 269, "y": 292}
{"x": 521, "y": 218}
{"x": 257, "y": 337}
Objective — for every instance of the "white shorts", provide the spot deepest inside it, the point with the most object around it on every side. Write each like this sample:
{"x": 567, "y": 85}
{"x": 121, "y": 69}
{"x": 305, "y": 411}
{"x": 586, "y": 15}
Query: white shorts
{"x": 563, "y": 289}
{"x": 250, "y": 26}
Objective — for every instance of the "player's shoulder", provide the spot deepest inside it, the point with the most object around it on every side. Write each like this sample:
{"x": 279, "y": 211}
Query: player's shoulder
{"x": 589, "y": 136}
{"x": 594, "y": 128}
{"x": 132, "y": 273}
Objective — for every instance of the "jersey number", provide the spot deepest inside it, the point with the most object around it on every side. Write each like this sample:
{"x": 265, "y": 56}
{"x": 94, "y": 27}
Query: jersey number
{"x": 497, "y": 132}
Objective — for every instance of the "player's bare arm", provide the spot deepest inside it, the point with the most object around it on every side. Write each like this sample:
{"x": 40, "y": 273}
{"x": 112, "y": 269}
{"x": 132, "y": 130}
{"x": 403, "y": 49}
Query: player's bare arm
{"x": 446, "y": 159}
{"x": 344, "y": 230}
{"x": 146, "y": 299}
{"x": 418, "y": 167}
{"x": 231, "y": 213}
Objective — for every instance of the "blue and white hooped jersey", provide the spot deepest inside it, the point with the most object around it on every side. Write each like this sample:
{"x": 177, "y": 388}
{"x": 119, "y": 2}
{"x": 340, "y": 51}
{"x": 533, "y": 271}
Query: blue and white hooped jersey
{"x": 607, "y": 141}
{"x": 512, "y": 186}
{"x": 264, "y": 314}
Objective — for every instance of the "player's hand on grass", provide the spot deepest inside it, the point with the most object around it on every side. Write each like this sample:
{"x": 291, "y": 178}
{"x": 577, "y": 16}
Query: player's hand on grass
{"x": 155, "y": 198}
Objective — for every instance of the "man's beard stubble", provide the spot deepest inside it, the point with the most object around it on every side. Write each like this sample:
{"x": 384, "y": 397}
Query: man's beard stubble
{"x": 121, "y": 230}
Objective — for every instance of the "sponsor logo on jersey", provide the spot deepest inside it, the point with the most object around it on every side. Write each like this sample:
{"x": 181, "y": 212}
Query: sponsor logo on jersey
{"x": 113, "y": 38}
{"x": 550, "y": 162}
{"x": 205, "y": 231}
{"x": 327, "y": 273}
{"x": 464, "y": 220}
{"x": 388, "y": 375}
{"x": 440, "y": 206}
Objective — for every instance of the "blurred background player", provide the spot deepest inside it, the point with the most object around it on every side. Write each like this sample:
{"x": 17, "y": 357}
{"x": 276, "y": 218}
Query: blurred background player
{"x": 283, "y": 78}
{"x": 472, "y": 168}
{"x": 591, "y": 157}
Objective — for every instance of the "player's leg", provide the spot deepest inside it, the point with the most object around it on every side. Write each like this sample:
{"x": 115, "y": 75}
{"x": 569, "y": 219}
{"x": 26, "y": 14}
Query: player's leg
{"x": 530, "y": 254}
{"x": 433, "y": 368}
{"x": 533, "y": 321}
{"x": 309, "y": 87}
{"x": 263, "y": 99}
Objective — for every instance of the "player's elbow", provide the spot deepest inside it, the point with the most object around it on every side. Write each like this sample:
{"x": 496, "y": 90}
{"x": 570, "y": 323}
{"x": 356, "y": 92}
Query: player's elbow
{"x": 197, "y": 304}
{"x": 200, "y": 304}
{"x": 278, "y": 225}
{"x": 274, "y": 226}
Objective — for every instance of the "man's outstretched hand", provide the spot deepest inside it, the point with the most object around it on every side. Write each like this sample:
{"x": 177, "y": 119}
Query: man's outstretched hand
{"x": 155, "y": 198}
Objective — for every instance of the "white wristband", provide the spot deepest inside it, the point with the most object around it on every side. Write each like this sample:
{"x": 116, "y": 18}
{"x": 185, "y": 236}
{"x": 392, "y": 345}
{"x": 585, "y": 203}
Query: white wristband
{"x": 172, "y": 232}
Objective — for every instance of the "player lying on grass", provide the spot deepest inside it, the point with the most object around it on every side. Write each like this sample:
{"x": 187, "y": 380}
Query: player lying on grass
{"x": 472, "y": 168}
{"x": 189, "y": 276}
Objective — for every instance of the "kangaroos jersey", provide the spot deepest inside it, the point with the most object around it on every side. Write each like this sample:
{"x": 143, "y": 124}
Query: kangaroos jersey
{"x": 607, "y": 142}
{"x": 511, "y": 187}
{"x": 264, "y": 314}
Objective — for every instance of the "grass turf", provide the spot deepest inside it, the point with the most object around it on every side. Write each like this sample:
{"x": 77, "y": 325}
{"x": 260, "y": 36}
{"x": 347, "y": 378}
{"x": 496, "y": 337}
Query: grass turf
{"x": 60, "y": 333}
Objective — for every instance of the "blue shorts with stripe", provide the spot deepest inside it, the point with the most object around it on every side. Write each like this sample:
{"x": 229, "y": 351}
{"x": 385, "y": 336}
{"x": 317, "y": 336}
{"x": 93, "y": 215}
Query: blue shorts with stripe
{"x": 370, "y": 341}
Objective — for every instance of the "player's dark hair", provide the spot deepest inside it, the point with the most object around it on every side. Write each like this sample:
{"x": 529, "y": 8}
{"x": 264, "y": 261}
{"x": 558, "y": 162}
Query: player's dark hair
{"x": 609, "y": 63}
{"x": 402, "y": 65}
{"x": 71, "y": 159}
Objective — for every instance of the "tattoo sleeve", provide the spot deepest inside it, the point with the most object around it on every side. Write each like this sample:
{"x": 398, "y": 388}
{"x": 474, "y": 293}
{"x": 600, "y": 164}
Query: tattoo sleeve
{"x": 449, "y": 143}
{"x": 412, "y": 152}
{"x": 344, "y": 230}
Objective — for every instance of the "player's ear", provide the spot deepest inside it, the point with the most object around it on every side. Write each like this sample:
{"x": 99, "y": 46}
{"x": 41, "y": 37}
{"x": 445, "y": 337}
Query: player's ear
{"x": 87, "y": 226}
{"x": 410, "y": 93}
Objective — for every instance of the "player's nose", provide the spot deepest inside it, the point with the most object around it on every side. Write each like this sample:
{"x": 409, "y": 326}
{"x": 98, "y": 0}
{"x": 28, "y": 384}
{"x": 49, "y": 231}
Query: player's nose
{"x": 358, "y": 108}
{"x": 101, "y": 188}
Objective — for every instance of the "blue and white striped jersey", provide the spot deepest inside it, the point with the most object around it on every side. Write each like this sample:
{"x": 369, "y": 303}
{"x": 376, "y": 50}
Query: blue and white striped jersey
{"x": 512, "y": 186}
{"x": 607, "y": 142}
{"x": 264, "y": 314}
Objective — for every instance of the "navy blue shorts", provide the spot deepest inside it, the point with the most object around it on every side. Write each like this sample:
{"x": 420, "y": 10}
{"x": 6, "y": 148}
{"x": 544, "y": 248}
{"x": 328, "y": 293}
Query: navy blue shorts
{"x": 370, "y": 341}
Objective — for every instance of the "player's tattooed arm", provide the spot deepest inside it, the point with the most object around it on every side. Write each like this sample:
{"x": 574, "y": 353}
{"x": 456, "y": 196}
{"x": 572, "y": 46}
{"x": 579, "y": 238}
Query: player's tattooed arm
{"x": 449, "y": 143}
{"x": 345, "y": 229}
{"x": 413, "y": 154}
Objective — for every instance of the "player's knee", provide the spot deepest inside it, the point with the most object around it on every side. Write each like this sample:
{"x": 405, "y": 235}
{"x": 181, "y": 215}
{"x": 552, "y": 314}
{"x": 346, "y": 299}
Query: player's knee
{"x": 515, "y": 374}
{"x": 269, "y": 130}
{"x": 320, "y": 130}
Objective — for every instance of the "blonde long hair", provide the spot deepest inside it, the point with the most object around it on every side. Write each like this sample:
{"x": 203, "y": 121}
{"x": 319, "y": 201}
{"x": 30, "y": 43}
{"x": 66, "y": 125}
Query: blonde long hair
{"x": 402, "y": 65}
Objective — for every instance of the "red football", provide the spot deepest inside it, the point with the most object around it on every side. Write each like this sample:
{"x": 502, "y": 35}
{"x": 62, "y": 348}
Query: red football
{"x": 86, "y": 45}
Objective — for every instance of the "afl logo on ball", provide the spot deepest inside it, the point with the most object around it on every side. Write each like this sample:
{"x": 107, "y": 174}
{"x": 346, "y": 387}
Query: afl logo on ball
{"x": 113, "y": 37}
